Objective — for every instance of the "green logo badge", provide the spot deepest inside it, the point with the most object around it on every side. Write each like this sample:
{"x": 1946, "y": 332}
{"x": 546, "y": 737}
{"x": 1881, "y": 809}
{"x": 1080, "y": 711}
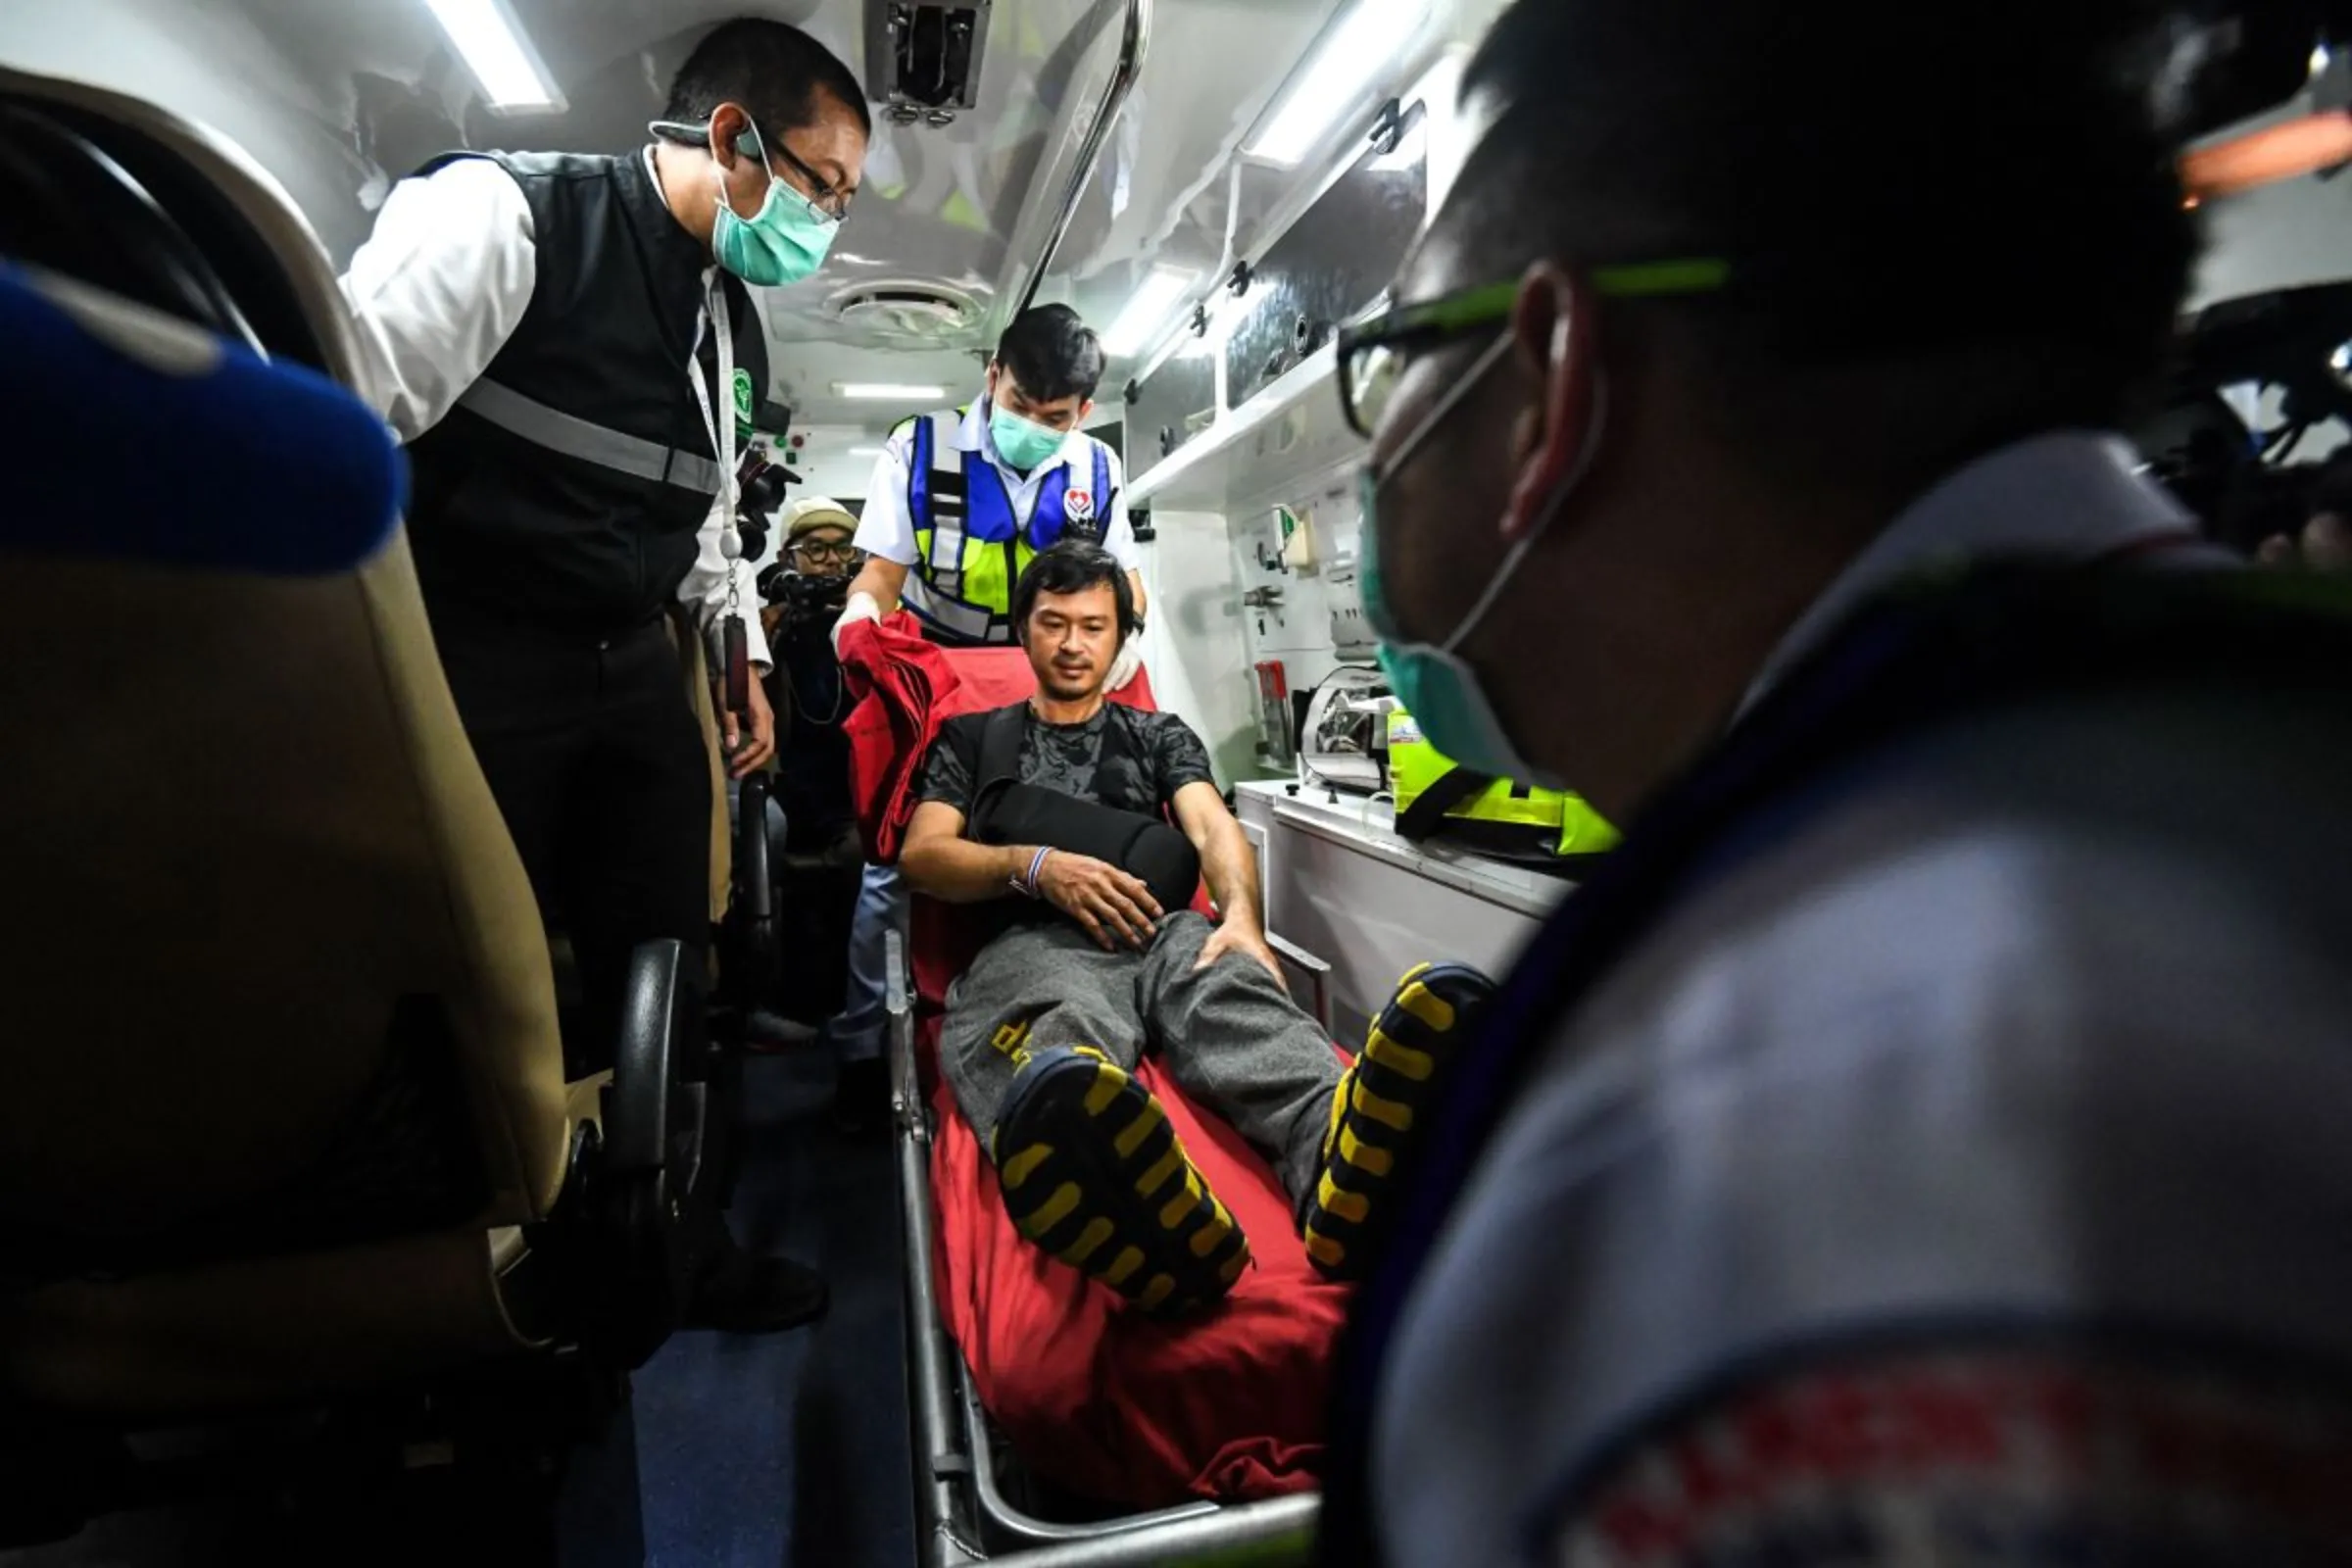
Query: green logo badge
{"x": 743, "y": 404}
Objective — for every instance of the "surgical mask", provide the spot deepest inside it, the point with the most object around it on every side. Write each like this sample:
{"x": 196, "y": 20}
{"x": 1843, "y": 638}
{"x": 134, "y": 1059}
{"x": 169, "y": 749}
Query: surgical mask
{"x": 1023, "y": 444}
{"x": 785, "y": 241}
{"x": 1432, "y": 680}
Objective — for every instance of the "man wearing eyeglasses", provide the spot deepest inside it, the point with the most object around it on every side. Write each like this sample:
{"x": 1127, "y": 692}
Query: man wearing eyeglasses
{"x": 567, "y": 345}
{"x": 1906, "y": 1146}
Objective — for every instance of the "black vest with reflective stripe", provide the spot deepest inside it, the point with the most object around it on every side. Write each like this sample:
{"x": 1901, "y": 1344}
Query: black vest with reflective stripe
{"x": 567, "y": 485}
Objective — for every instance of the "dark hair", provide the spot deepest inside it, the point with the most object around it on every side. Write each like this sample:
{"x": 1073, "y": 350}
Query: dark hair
{"x": 1051, "y": 354}
{"x": 1071, "y": 566}
{"x": 774, "y": 70}
{"x": 1887, "y": 181}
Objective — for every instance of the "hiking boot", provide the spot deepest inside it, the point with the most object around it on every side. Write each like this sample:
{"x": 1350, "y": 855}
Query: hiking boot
{"x": 1369, "y": 1148}
{"x": 1093, "y": 1173}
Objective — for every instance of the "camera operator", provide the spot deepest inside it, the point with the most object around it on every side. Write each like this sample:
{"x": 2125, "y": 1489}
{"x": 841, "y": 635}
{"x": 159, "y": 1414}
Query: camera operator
{"x": 805, "y": 591}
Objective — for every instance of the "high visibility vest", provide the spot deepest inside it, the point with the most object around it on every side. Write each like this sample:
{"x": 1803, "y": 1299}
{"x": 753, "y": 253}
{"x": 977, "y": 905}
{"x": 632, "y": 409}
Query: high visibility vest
{"x": 1483, "y": 812}
{"x": 970, "y": 547}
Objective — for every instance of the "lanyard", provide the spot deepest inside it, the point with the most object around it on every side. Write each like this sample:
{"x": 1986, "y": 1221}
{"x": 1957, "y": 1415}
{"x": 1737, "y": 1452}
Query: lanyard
{"x": 721, "y": 432}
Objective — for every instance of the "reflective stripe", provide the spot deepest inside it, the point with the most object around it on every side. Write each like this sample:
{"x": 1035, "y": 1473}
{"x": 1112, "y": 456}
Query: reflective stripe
{"x": 947, "y": 552}
{"x": 968, "y": 622}
{"x": 575, "y": 437}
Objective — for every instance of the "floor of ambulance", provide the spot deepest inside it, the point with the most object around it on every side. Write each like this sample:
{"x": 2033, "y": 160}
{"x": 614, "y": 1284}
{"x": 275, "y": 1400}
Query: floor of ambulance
{"x": 774, "y": 1452}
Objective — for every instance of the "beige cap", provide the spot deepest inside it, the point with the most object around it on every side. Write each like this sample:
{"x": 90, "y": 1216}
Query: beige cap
{"x": 811, "y": 512}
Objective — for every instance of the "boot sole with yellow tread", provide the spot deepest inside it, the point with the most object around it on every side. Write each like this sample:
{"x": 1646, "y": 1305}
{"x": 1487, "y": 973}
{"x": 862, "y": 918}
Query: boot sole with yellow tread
{"x": 1093, "y": 1173}
{"x": 1369, "y": 1149}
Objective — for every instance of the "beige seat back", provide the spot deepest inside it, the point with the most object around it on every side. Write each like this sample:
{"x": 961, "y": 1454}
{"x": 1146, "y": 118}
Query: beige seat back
{"x": 275, "y": 978}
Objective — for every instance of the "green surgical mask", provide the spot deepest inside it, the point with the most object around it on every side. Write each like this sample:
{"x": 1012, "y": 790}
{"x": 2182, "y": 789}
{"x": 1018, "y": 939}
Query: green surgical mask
{"x": 784, "y": 242}
{"x": 1434, "y": 682}
{"x": 1023, "y": 444}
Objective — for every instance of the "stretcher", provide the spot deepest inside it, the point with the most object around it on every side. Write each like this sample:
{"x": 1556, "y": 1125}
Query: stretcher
{"x": 1191, "y": 1440}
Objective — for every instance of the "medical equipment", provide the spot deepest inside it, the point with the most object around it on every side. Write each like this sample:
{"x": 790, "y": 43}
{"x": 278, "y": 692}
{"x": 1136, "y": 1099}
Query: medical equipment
{"x": 1345, "y": 743}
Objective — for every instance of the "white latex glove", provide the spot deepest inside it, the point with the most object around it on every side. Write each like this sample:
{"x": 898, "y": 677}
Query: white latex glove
{"x": 1125, "y": 663}
{"x": 862, "y": 607}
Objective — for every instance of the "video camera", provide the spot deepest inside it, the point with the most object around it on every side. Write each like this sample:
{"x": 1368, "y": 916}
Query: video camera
{"x": 761, "y": 482}
{"x": 805, "y": 598}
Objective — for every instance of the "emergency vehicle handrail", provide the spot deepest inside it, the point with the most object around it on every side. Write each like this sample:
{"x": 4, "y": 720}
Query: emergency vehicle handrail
{"x": 1134, "y": 44}
{"x": 1028, "y": 1528}
{"x": 1279, "y": 1530}
{"x": 927, "y": 1368}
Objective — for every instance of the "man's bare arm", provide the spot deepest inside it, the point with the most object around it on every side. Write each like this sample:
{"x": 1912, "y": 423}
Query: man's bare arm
{"x": 882, "y": 581}
{"x": 1226, "y": 863}
{"x": 939, "y": 861}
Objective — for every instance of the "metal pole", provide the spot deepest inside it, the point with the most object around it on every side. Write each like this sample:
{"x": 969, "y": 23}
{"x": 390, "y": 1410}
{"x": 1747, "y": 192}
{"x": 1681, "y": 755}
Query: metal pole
{"x": 1133, "y": 45}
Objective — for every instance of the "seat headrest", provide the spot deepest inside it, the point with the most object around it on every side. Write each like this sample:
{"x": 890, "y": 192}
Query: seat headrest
{"x": 128, "y": 436}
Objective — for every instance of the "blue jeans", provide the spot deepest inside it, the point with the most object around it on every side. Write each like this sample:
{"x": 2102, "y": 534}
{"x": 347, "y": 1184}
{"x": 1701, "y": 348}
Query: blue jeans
{"x": 856, "y": 1034}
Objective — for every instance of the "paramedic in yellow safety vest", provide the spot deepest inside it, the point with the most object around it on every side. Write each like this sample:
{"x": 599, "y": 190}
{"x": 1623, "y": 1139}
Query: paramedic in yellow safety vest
{"x": 962, "y": 499}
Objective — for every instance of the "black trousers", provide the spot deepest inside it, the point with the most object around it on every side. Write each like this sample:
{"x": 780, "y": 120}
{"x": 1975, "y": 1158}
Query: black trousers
{"x": 598, "y": 765}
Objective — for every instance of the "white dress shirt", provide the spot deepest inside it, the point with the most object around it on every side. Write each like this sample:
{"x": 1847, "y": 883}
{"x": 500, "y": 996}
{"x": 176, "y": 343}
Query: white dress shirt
{"x": 436, "y": 292}
{"x": 1938, "y": 1052}
{"x": 887, "y": 529}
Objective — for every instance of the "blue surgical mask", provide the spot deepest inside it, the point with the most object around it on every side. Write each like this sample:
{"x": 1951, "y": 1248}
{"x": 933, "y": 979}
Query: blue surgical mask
{"x": 1023, "y": 444}
{"x": 1432, "y": 680}
{"x": 785, "y": 241}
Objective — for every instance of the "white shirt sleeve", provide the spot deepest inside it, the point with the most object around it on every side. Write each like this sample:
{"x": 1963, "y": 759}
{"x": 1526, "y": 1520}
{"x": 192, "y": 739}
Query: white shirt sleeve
{"x": 438, "y": 289}
{"x": 1118, "y": 533}
{"x": 885, "y": 528}
{"x": 704, "y": 590}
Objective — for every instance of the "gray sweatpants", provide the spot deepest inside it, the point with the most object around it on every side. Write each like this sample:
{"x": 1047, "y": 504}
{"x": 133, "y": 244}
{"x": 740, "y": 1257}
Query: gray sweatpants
{"x": 1229, "y": 1034}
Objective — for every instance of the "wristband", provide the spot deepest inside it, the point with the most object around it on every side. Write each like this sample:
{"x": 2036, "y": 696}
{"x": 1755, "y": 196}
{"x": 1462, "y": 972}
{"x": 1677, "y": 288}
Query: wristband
{"x": 1026, "y": 882}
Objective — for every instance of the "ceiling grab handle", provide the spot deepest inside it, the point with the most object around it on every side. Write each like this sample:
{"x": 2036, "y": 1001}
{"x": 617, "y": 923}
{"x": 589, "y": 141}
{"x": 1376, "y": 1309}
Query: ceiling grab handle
{"x": 1133, "y": 46}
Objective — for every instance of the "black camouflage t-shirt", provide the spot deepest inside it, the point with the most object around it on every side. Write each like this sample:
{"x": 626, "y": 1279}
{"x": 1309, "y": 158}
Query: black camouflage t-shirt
{"x": 1158, "y": 755}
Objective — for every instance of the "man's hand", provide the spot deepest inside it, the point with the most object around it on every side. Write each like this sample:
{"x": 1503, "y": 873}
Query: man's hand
{"x": 1125, "y": 663}
{"x": 862, "y": 607}
{"x": 1111, "y": 906}
{"x": 1241, "y": 937}
{"x": 749, "y": 749}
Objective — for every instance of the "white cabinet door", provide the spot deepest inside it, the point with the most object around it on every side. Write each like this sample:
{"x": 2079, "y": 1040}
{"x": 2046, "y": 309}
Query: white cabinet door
{"x": 1372, "y": 920}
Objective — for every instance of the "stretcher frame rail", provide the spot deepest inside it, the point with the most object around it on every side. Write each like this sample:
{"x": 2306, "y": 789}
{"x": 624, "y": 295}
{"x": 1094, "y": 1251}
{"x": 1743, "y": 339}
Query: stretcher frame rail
{"x": 962, "y": 1512}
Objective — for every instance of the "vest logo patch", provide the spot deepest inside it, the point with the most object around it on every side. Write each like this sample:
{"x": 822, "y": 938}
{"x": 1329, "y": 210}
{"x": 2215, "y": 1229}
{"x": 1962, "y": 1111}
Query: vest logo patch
{"x": 1078, "y": 506}
{"x": 2018, "y": 1455}
{"x": 743, "y": 404}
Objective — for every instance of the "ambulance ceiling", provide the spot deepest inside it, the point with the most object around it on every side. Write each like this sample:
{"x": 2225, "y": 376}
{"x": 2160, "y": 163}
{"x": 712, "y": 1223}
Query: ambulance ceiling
{"x": 957, "y": 211}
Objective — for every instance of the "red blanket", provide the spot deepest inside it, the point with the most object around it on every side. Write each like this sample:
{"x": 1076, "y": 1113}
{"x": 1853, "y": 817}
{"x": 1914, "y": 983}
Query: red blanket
{"x": 1094, "y": 1395}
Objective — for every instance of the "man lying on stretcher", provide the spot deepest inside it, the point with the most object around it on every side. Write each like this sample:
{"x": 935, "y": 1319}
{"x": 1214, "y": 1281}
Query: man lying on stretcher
{"x": 1097, "y": 957}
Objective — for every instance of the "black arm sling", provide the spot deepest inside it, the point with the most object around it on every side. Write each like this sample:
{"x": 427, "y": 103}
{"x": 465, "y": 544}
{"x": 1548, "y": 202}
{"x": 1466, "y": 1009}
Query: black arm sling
{"x": 1005, "y": 810}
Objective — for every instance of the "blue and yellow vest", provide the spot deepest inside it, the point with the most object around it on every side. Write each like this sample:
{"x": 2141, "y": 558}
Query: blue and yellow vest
{"x": 970, "y": 547}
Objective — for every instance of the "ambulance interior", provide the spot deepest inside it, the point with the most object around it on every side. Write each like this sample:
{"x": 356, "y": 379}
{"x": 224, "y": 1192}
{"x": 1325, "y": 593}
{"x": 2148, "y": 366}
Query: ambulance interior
{"x": 1218, "y": 188}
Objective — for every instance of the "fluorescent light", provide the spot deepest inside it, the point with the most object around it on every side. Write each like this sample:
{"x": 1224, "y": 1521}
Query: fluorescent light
{"x": 863, "y": 452}
{"x": 493, "y": 46}
{"x": 1333, "y": 84}
{"x": 888, "y": 392}
{"x": 1147, "y": 312}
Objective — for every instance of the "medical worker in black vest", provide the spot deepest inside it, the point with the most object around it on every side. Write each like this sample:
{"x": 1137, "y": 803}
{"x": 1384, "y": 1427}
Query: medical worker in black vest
{"x": 567, "y": 347}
